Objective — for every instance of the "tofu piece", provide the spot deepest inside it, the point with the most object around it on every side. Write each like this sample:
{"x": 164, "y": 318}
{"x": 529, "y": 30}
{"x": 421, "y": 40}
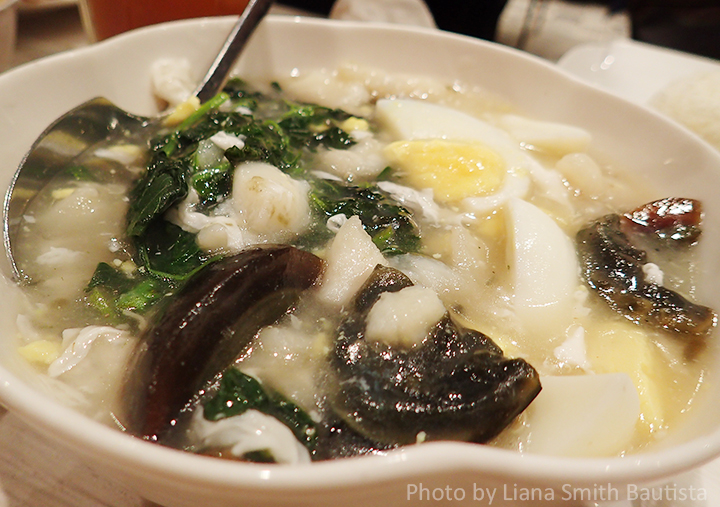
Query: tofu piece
{"x": 623, "y": 347}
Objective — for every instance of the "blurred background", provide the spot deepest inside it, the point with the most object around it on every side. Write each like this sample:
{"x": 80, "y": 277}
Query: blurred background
{"x": 31, "y": 29}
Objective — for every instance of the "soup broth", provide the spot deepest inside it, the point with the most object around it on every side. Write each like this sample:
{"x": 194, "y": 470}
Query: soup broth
{"x": 471, "y": 211}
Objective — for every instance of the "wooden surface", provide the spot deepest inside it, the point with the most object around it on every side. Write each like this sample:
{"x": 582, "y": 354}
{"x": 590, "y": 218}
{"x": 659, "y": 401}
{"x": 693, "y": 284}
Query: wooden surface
{"x": 37, "y": 472}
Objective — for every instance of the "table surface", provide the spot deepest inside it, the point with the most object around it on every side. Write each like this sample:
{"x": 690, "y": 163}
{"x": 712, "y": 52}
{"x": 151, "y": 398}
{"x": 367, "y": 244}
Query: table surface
{"x": 36, "y": 472}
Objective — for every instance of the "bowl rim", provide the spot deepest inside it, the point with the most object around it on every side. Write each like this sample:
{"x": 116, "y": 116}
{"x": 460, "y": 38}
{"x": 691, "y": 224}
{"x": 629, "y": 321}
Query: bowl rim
{"x": 123, "y": 451}
{"x": 94, "y": 439}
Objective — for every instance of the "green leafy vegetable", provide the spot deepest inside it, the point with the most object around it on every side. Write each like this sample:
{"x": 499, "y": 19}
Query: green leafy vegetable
{"x": 186, "y": 131}
{"x": 390, "y": 225}
{"x": 239, "y": 392}
{"x": 112, "y": 292}
{"x": 271, "y": 130}
{"x": 80, "y": 173}
{"x": 167, "y": 251}
{"x": 311, "y": 126}
{"x": 265, "y": 141}
{"x": 213, "y": 184}
{"x": 160, "y": 187}
{"x": 242, "y": 95}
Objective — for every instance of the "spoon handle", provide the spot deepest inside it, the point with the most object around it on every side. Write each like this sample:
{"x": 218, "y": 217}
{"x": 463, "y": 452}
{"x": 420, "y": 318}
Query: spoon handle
{"x": 218, "y": 72}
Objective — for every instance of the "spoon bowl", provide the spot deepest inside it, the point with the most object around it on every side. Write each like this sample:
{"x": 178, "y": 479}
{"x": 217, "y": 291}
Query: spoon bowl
{"x": 95, "y": 121}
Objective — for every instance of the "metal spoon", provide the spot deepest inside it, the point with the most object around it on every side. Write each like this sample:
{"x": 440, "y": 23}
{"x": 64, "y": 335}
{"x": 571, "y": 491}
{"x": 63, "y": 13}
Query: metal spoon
{"x": 99, "y": 120}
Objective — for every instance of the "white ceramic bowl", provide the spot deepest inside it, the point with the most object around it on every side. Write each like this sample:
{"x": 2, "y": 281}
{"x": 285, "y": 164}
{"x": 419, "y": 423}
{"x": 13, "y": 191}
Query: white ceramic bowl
{"x": 33, "y": 95}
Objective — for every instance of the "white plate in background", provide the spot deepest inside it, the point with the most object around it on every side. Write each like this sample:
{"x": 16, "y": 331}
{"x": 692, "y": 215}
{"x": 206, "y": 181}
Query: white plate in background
{"x": 633, "y": 70}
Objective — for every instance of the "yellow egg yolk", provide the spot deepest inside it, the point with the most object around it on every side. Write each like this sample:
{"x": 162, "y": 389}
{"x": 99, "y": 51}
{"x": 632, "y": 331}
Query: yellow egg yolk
{"x": 452, "y": 169}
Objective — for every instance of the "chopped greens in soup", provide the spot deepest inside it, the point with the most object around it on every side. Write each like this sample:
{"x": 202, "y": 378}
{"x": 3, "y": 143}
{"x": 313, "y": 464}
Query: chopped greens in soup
{"x": 347, "y": 262}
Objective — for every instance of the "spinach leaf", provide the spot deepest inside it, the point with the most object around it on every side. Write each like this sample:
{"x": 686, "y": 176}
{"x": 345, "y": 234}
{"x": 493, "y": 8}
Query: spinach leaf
{"x": 273, "y": 131}
{"x": 80, "y": 173}
{"x": 213, "y": 184}
{"x": 183, "y": 142}
{"x": 389, "y": 224}
{"x": 242, "y": 95}
{"x": 185, "y": 133}
{"x": 169, "y": 252}
{"x": 276, "y": 132}
{"x": 162, "y": 185}
{"x": 112, "y": 293}
{"x": 239, "y": 392}
{"x": 310, "y": 125}
{"x": 265, "y": 141}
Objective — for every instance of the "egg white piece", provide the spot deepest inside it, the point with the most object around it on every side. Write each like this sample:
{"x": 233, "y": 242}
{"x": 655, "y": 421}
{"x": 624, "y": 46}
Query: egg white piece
{"x": 214, "y": 232}
{"x": 582, "y": 415}
{"x": 421, "y": 202}
{"x": 572, "y": 351}
{"x": 544, "y": 273}
{"x": 515, "y": 186}
{"x": 248, "y": 432}
{"x": 55, "y": 256}
{"x": 557, "y": 138}
{"x": 91, "y": 366}
{"x": 78, "y": 342}
{"x": 409, "y": 119}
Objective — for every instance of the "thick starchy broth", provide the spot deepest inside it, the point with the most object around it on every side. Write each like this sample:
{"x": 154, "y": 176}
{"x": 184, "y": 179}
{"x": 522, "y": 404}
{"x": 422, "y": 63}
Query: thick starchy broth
{"x": 472, "y": 209}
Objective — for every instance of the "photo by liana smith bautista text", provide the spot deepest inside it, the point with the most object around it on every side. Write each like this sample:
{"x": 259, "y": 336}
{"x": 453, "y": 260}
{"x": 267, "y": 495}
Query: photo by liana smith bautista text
{"x": 494, "y": 495}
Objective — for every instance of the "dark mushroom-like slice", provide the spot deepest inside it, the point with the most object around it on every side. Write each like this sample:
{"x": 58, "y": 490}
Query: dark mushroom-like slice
{"x": 206, "y": 327}
{"x": 613, "y": 266}
{"x": 455, "y": 385}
